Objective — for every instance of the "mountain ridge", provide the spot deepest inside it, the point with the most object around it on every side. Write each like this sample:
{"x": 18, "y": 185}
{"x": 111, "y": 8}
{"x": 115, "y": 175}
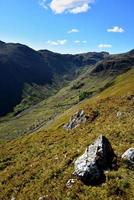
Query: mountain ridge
{"x": 30, "y": 76}
{"x": 20, "y": 64}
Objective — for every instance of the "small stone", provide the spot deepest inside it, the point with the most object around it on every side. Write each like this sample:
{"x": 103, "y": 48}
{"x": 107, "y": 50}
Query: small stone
{"x": 46, "y": 197}
{"x": 56, "y": 158}
{"x": 131, "y": 97}
{"x": 41, "y": 198}
{"x": 13, "y": 198}
{"x": 128, "y": 156}
{"x": 70, "y": 182}
{"x": 119, "y": 114}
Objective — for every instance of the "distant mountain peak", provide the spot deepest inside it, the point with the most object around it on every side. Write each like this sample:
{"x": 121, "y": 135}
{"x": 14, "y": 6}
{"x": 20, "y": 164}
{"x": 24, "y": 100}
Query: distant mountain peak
{"x": 2, "y": 43}
{"x": 131, "y": 52}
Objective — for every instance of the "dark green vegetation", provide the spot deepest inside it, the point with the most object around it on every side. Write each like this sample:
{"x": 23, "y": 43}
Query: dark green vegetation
{"x": 41, "y": 163}
{"x": 83, "y": 95}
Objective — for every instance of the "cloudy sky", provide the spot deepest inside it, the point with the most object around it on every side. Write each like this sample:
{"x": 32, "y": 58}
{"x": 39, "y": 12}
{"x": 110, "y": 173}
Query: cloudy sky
{"x": 69, "y": 26}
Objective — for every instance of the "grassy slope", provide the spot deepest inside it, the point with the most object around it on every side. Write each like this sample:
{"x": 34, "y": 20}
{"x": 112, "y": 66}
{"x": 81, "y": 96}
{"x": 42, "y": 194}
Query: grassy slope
{"x": 122, "y": 85}
{"x": 45, "y": 111}
{"x": 41, "y": 163}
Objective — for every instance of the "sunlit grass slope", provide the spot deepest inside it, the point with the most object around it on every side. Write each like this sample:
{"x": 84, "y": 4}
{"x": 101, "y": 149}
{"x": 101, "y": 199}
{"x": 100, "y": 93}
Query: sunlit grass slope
{"x": 122, "y": 85}
{"x": 40, "y": 164}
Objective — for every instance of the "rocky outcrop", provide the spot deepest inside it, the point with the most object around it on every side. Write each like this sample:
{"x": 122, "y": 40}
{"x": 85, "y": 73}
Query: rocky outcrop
{"x": 81, "y": 117}
{"x": 128, "y": 156}
{"x": 76, "y": 120}
{"x": 98, "y": 156}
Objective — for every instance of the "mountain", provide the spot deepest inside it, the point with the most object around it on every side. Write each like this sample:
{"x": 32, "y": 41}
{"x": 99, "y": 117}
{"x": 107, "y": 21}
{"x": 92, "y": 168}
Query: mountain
{"x": 18, "y": 65}
{"x": 26, "y": 75}
{"x": 29, "y": 76}
{"x": 115, "y": 64}
{"x": 68, "y": 88}
{"x": 37, "y": 153}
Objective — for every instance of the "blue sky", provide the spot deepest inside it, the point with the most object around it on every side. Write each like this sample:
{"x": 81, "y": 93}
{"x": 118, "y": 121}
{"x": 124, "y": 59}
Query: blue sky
{"x": 69, "y": 26}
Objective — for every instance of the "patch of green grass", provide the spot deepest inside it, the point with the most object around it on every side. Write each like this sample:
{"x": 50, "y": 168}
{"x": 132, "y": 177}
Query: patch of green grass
{"x": 123, "y": 84}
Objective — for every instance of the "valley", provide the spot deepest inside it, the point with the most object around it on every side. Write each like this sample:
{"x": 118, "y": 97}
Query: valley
{"x": 66, "y": 100}
{"x": 37, "y": 154}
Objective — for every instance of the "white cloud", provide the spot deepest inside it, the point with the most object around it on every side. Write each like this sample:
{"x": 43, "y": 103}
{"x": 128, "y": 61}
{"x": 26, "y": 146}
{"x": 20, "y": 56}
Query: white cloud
{"x": 104, "y": 46}
{"x": 116, "y": 29}
{"x": 74, "y": 30}
{"x": 84, "y": 42}
{"x": 77, "y": 41}
{"x": 43, "y": 4}
{"x": 79, "y": 9}
{"x": 68, "y": 6}
{"x": 56, "y": 42}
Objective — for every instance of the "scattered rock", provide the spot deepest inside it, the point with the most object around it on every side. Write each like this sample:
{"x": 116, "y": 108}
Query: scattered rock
{"x": 13, "y": 198}
{"x": 56, "y": 158}
{"x": 42, "y": 198}
{"x": 98, "y": 156}
{"x": 128, "y": 156}
{"x": 121, "y": 114}
{"x": 46, "y": 197}
{"x": 76, "y": 120}
{"x": 70, "y": 183}
{"x": 80, "y": 118}
{"x": 131, "y": 97}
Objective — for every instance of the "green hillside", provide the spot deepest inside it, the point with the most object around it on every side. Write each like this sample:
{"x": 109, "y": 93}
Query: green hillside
{"x": 30, "y": 76}
{"x": 41, "y": 163}
{"x": 47, "y": 110}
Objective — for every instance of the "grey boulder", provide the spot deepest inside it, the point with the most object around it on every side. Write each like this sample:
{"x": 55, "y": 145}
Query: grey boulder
{"x": 128, "y": 156}
{"x": 97, "y": 157}
{"x": 78, "y": 118}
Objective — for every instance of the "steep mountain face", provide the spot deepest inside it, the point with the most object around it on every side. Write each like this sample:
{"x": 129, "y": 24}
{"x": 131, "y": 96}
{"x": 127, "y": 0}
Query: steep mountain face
{"x": 21, "y": 65}
{"x": 115, "y": 64}
{"x": 28, "y": 76}
{"x": 18, "y": 65}
{"x": 64, "y": 63}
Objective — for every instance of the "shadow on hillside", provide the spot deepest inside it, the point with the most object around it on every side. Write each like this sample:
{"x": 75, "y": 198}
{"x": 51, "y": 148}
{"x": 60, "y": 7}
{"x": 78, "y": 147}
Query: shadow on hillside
{"x": 97, "y": 182}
